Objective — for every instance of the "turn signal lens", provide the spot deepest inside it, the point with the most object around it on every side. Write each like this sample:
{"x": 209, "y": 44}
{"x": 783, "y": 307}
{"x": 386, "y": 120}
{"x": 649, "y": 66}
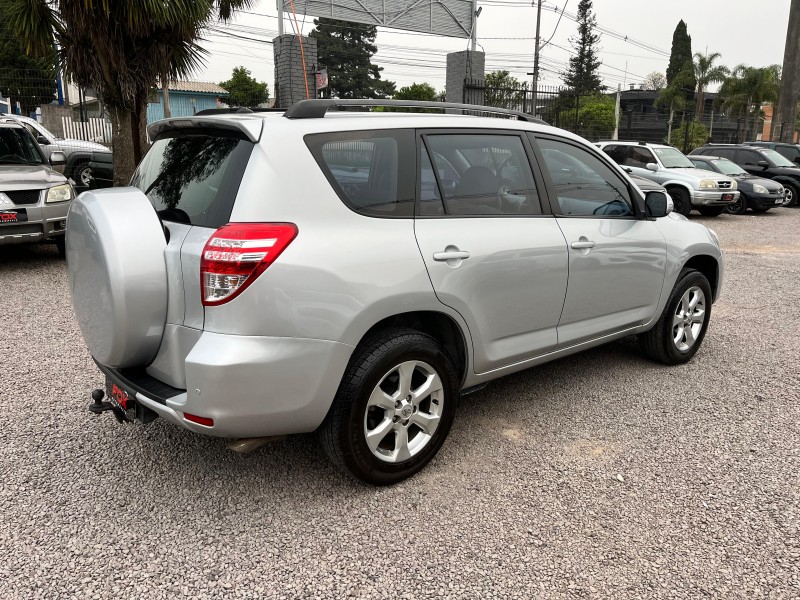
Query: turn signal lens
{"x": 236, "y": 254}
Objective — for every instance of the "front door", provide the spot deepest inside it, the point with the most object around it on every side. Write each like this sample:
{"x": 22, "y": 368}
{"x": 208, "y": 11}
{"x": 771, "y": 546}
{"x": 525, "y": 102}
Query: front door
{"x": 490, "y": 252}
{"x": 617, "y": 260}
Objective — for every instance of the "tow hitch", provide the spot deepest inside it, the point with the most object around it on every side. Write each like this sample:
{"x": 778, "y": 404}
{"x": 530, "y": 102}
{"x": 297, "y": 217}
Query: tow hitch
{"x": 125, "y": 409}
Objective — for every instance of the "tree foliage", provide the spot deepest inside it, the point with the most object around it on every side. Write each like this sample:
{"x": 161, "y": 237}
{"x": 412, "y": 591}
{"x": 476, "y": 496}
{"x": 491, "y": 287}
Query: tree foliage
{"x": 680, "y": 58}
{"x": 417, "y": 91}
{"x": 747, "y": 89}
{"x": 244, "y": 90}
{"x": 346, "y": 50}
{"x": 120, "y": 49}
{"x": 705, "y": 72}
{"x": 689, "y": 135}
{"x": 655, "y": 81}
{"x": 503, "y": 90}
{"x": 596, "y": 117}
{"x": 29, "y": 81}
{"x": 583, "y": 72}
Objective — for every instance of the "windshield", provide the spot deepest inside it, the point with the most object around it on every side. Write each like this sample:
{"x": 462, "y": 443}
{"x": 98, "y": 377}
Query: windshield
{"x": 776, "y": 159}
{"x": 18, "y": 147}
{"x": 673, "y": 159}
{"x": 727, "y": 167}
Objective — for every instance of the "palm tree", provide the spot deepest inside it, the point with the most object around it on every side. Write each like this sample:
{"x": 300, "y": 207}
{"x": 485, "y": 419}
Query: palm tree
{"x": 674, "y": 95}
{"x": 705, "y": 72}
{"x": 747, "y": 89}
{"x": 120, "y": 49}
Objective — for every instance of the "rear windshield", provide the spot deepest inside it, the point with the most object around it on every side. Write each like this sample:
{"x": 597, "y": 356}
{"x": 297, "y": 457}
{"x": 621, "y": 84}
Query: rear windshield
{"x": 193, "y": 179}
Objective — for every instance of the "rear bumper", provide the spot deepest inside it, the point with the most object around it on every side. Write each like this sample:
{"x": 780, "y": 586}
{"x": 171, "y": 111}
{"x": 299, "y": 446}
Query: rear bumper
{"x": 251, "y": 386}
{"x": 715, "y": 198}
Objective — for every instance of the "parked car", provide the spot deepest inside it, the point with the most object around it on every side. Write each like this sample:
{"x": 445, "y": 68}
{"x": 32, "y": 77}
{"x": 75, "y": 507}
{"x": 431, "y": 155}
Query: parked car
{"x": 789, "y": 151}
{"x": 756, "y": 193}
{"x": 270, "y": 275}
{"x": 34, "y": 197}
{"x": 101, "y": 170}
{"x": 762, "y": 162}
{"x": 78, "y": 152}
{"x": 689, "y": 187}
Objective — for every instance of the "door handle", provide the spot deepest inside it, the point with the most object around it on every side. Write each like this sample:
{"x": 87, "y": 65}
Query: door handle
{"x": 450, "y": 255}
{"x": 583, "y": 244}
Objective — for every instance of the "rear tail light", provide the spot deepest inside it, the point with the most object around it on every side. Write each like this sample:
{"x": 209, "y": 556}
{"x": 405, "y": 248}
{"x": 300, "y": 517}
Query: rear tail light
{"x": 236, "y": 254}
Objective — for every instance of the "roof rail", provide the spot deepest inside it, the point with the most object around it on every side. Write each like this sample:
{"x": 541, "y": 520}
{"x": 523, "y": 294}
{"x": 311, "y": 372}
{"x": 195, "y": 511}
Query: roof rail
{"x": 235, "y": 110}
{"x": 316, "y": 109}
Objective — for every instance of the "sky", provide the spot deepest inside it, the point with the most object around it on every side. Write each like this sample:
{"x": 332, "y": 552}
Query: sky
{"x": 636, "y": 42}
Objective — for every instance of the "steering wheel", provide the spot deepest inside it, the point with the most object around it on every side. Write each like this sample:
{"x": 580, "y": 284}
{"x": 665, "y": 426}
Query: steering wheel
{"x": 615, "y": 212}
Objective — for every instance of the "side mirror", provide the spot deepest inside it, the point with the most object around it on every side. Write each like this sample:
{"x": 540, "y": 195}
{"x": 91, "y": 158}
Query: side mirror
{"x": 762, "y": 163}
{"x": 651, "y": 167}
{"x": 57, "y": 160}
{"x": 627, "y": 169}
{"x": 40, "y": 139}
{"x": 657, "y": 204}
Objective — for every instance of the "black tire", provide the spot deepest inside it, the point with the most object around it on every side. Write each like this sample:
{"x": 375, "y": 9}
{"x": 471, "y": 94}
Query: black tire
{"x": 61, "y": 246}
{"x": 658, "y": 343}
{"x": 739, "y": 207}
{"x": 681, "y": 200}
{"x": 82, "y": 174}
{"x": 342, "y": 434}
{"x": 794, "y": 190}
{"x": 711, "y": 211}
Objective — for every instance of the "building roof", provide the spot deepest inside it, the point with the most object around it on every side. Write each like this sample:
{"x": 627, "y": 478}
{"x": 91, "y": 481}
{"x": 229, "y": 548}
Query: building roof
{"x": 201, "y": 87}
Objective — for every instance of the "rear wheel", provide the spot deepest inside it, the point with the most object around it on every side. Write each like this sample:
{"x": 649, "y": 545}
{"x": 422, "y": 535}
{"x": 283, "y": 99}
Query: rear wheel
{"x": 739, "y": 207}
{"x": 679, "y": 332}
{"x": 711, "y": 211}
{"x": 82, "y": 174}
{"x": 681, "y": 200}
{"x": 393, "y": 409}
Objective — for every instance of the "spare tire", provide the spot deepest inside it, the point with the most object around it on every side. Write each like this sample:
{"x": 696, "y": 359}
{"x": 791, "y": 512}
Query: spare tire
{"x": 117, "y": 275}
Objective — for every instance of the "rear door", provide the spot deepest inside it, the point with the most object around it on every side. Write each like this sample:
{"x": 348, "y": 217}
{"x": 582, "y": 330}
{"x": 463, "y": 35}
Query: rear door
{"x": 617, "y": 260}
{"x": 492, "y": 252}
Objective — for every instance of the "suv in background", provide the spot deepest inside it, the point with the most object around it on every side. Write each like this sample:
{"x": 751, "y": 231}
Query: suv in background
{"x": 353, "y": 273}
{"x": 34, "y": 197}
{"x": 78, "y": 152}
{"x": 790, "y": 151}
{"x": 755, "y": 193}
{"x": 762, "y": 162}
{"x": 689, "y": 186}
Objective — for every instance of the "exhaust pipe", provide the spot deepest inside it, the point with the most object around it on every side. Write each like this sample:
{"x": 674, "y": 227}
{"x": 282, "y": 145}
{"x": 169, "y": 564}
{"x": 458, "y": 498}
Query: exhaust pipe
{"x": 245, "y": 445}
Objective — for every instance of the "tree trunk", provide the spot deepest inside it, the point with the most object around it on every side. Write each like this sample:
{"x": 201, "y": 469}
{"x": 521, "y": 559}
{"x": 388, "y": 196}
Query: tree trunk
{"x": 747, "y": 109}
{"x": 669, "y": 123}
{"x": 165, "y": 94}
{"x": 701, "y": 105}
{"x": 130, "y": 139}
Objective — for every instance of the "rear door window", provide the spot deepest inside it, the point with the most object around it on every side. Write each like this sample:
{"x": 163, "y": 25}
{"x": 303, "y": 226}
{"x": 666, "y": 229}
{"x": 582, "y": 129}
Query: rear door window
{"x": 193, "y": 179}
{"x": 373, "y": 172}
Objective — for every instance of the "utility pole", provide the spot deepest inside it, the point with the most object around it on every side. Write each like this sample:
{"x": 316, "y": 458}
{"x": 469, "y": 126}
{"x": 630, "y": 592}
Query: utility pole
{"x": 474, "y": 34}
{"x": 785, "y": 117}
{"x": 280, "y": 16}
{"x": 615, "y": 135}
{"x": 535, "y": 86}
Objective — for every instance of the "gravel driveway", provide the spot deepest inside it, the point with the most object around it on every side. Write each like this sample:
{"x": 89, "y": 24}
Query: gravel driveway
{"x": 601, "y": 475}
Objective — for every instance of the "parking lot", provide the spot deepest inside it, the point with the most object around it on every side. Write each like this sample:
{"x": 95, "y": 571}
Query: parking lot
{"x": 600, "y": 475}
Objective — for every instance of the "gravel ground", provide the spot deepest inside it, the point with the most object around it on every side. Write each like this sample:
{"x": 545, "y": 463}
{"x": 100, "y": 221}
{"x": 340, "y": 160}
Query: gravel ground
{"x": 600, "y": 475}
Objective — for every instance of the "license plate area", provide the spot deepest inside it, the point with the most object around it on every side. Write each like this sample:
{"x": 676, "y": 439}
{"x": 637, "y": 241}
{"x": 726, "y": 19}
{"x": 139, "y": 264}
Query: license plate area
{"x": 13, "y": 216}
{"x": 727, "y": 197}
{"x": 123, "y": 400}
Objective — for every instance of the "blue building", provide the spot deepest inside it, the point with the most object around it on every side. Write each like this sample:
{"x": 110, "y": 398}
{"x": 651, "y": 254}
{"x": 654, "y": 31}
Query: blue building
{"x": 186, "y": 98}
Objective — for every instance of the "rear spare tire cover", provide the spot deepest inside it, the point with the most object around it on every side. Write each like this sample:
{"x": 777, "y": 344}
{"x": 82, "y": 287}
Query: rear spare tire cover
{"x": 117, "y": 275}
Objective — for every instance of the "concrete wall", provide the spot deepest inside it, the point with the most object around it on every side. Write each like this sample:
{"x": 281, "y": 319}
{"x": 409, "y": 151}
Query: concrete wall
{"x": 52, "y": 115}
{"x": 460, "y": 66}
{"x": 289, "y": 83}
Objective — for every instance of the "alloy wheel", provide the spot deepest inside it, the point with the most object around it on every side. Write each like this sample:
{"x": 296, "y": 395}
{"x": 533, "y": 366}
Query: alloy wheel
{"x": 689, "y": 318}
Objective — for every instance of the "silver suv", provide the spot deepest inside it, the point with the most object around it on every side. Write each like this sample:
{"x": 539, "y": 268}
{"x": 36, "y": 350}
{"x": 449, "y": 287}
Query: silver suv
{"x": 355, "y": 273}
{"x": 710, "y": 193}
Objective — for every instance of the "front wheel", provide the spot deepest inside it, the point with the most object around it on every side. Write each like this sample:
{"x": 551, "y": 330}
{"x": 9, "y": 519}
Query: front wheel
{"x": 680, "y": 330}
{"x": 739, "y": 207}
{"x": 393, "y": 409}
{"x": 711, "y": 211}
{"x": 681, "y": 201}
{"x": 790, "y": 192}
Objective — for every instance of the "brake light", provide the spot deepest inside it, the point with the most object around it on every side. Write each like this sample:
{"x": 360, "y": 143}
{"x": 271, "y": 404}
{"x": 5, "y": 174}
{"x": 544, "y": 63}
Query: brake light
{"x": 236, "y": 254}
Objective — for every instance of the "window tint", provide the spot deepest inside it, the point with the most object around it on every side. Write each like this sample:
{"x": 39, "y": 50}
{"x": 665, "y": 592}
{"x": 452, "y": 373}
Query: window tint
{"x": 729, "y": 153}
{"x": 584, "y": 185}
{"x": 790, "y": 152}
{"x": 639, "y": 157}
{"x": 484, "y": 174}
{"x": 430, "y": 202}
{"x": 617, "y": 153}
{"x": 371, "y": 171}
{"x": 748, "y": 157}
{"x": 193, "y": 179}
{"x": 18, "y": 147}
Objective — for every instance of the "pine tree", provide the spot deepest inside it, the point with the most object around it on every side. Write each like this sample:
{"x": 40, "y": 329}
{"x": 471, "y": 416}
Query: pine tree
{"x": 582, "y": 75}
{"x": 346, "y": 50}
{"x": 680, "y": 60}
